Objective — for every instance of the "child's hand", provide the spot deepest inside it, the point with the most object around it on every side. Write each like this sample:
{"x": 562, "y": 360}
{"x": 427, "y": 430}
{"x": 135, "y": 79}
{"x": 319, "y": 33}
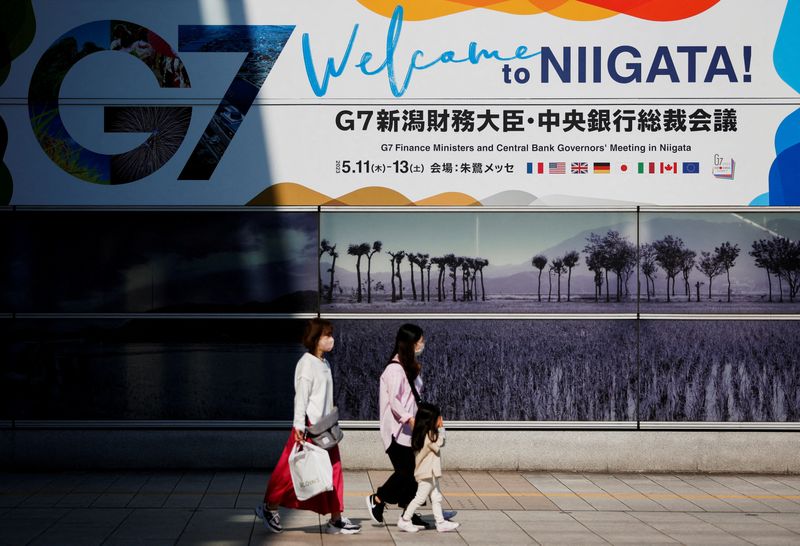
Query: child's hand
{"x": 439, "y": 423}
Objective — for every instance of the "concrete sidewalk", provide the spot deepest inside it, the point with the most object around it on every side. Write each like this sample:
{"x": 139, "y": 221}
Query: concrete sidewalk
{"x": 153, "y": 508}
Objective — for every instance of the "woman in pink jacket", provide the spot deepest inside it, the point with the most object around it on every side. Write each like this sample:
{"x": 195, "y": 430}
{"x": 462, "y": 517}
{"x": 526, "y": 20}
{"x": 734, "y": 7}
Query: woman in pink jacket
{"x": 398, "y": 398}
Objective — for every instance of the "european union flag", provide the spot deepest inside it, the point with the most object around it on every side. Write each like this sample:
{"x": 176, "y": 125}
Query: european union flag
{"x": 691, "y": 167}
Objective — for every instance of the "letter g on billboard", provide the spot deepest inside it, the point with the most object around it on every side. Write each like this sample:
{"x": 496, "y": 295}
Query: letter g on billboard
{"x": 167, "y": 125}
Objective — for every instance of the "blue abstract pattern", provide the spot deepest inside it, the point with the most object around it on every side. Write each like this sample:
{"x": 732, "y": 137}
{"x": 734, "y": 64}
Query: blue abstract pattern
{"x": 784, "y": 188}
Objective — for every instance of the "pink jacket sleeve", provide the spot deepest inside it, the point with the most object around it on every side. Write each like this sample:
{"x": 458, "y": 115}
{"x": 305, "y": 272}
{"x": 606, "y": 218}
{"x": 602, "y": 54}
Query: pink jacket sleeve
{"x": 397, "y": 385}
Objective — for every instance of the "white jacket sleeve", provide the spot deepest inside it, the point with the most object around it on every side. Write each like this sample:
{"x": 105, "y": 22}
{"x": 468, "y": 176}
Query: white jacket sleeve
{"x": 303, "y": 383}
{"x": 302, "y": 392}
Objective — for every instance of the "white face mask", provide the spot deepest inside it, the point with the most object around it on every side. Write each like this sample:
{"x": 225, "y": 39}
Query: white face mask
{"x": 326, "y": 344}
{"x": 419, "y": 350}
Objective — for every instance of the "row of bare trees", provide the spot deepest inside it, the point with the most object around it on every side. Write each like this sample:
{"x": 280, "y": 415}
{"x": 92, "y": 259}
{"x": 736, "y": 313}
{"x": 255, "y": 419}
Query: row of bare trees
{"x": 558, "y": 266}
{"x": 611, "y": 253}
{"x": 448, "y": 264}
{"x": 614, "y": 253}
{"x": 672, "y": 256}
{"x": 780, "y": 258}
{"x": 607, "y": 254}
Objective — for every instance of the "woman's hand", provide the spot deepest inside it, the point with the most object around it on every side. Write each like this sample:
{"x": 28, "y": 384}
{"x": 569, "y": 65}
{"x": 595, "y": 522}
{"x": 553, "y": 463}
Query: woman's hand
{"x": 299, "y": 436}
{"x": 411, "y": 423}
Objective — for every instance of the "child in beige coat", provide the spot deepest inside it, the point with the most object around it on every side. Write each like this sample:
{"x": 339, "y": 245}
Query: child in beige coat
{"x": 427, "y": 440}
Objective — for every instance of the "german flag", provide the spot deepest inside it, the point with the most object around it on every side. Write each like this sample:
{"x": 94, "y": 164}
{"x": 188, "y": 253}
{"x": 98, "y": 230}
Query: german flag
{"x": 602, "y": 168}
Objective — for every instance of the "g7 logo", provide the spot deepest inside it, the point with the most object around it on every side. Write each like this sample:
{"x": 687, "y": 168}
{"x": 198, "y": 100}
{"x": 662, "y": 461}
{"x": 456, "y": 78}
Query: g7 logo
{"x": 167, "y": 125}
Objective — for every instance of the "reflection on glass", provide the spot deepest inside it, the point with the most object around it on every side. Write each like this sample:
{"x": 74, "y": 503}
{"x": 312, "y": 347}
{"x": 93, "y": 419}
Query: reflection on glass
{"x": 150, "y": 369}
{"x": 488, "y": 262}
{"x": 6, "y": 234}
{"x": 163, "y": 261}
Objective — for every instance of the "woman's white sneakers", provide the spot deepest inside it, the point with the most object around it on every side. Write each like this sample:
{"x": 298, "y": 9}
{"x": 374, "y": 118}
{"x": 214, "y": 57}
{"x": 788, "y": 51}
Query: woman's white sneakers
{"x": 342, "y": 526}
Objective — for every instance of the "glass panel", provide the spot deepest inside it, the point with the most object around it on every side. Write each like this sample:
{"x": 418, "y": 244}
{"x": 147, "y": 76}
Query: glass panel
{"x": 478, "y": 262}
{"x": 720, "y": 371}
{"x": 6, "y": 234}
{"x": 737, "y": 262}
{"x": 150, "y": 368}
{"x": 498, "y": 370}
{"x": 162, "y": 261}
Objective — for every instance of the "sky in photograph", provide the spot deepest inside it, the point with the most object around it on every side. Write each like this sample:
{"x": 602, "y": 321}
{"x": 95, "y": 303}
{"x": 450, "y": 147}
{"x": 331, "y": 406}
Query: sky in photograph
{"x": 759, "y": 224}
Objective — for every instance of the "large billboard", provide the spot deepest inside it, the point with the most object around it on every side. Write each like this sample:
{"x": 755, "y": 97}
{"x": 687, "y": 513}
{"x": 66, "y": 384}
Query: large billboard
{"x": 435, "y": 102}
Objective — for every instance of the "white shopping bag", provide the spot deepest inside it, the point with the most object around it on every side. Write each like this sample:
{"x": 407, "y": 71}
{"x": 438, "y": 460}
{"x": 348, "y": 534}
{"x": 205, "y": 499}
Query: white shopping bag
{"x": 311, "y": 470}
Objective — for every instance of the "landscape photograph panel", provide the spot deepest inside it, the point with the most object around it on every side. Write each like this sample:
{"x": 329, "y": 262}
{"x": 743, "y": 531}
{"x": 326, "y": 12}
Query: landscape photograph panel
{"x": 497, "y": 370}
{"x": 477, "y": 262}
{"x": 720, "y": 262}
{"x": 719, "y": 370}
{"x": 148, "y": 261}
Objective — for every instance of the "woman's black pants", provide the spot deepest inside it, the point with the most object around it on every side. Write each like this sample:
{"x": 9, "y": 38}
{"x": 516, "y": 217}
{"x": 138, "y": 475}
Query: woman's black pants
{"x": 401, "y": 486}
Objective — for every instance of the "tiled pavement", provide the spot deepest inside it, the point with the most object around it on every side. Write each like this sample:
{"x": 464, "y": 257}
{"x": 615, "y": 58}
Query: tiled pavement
{"x": 154, "y": 508}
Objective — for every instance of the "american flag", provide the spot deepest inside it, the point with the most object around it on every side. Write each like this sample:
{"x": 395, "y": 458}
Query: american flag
{"x": 557, "y": 167}
{"x": 579, "y": 168}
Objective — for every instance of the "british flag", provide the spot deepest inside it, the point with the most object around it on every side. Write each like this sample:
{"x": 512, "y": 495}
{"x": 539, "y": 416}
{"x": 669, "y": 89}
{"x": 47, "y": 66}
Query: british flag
{"x": 579, "y": 168}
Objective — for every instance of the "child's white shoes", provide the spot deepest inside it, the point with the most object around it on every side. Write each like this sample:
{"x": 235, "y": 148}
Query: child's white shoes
{"x": 446, "y": 526}
{"x": 443, "y": 527}
{"x": 406, "y": 525}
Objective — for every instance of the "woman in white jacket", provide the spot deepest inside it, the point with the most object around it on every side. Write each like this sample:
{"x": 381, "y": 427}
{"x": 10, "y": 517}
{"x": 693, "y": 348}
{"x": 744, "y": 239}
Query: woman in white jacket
{"x": 313, "y": 399}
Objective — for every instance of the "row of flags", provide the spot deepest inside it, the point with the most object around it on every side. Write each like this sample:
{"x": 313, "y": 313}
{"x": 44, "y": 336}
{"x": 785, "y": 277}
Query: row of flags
{"x": 583, "y": 167}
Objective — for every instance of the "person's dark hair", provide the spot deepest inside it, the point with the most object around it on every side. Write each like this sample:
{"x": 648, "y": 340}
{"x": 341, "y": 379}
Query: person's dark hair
{"x": 425, "y": 425}
{"x": 315, "y": 329}
{"x": 407, "y": 337}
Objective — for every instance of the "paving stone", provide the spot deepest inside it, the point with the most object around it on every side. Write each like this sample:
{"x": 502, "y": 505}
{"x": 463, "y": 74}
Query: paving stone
{"x": 489, "y": 491}
{"x": 523, "y": 491}
{"x": 83, "y": 527}
{"x": 154, "y": 493}
{"x": 153, "y": 524}
{"x": 592, "y": 493}
{"x": 686, "y": 491}
{"x": 557, "y": 493}
{"x": 763, "y": 496}
{"x": 218, "y": 526}
{"x": 726, "y": 494}
{"x": 21, "y": 525}
{"x": 555, "y": 528}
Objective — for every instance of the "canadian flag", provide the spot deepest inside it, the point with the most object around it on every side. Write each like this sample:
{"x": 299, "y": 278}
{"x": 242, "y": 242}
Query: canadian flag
{"x": 669, "y": 168}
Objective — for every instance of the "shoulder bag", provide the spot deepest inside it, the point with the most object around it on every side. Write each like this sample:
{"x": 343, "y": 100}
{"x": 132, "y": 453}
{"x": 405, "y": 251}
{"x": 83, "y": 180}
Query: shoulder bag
{"x": 326, "y": 432}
